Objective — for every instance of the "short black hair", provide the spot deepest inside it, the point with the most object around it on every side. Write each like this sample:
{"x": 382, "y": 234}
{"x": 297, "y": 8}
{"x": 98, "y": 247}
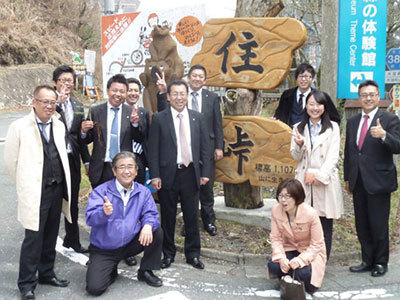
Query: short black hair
{"x": 367, "y": 83}
{"x": 134, "y": 80}
{"x": 198, "y": 67}
{"x": 117, "y": 78}
{"x": 121, "y": 155}
{"x": 294, "y": 188}
{"x": 43, "y": 87}
{"x": 63, "y": 69}
{"x": 304, "y": 67}
{"x": 177, "y": 82}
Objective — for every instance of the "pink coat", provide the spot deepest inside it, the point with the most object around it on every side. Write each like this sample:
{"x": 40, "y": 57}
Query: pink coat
{"x": 306, "y": 236}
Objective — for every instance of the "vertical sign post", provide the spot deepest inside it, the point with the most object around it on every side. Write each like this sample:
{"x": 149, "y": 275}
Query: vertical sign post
{"x": 361, "y": 45}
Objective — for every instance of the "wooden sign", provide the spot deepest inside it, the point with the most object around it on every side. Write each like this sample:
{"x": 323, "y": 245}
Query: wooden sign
{"x": 255, "y": 149}
{"x": 253, "y": 53}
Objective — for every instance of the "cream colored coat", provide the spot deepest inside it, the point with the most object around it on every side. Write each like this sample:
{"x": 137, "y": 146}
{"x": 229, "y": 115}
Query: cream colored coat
{"x": 305, "y": 236}
{"x": 23, "y": 155}
{"x": 322, "y": 160}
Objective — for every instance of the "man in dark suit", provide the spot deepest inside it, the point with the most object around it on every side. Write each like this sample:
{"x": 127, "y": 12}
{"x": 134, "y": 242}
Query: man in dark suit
{"x": 207, "y": 103}
{"x": 140, "y": 149}
{"x": 72, "y": 115}
{"x": 111, "y": 127}
{"x": 179, "y": 144}
{"x": 372, "y": 138}
{"x": 293, "y": 101}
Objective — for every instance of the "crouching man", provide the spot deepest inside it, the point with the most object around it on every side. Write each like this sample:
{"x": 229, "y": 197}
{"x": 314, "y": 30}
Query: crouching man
{"x": 124, "y": 221}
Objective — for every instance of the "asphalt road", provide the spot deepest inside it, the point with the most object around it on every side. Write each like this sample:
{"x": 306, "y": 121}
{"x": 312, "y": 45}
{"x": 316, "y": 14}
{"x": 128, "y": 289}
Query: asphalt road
{"x": 219, "y": 280}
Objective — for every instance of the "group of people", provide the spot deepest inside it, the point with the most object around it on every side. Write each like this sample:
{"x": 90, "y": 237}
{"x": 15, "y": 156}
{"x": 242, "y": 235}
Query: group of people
{"x": 44, "y": 149}
{"x": 302, "y": 221}
{"x": 43, "y": 153}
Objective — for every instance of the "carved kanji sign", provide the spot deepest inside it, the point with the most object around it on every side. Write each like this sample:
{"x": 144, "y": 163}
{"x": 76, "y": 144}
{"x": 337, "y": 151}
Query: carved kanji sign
{"x": 254, "y": 53}
{"x": 255, "y": 149}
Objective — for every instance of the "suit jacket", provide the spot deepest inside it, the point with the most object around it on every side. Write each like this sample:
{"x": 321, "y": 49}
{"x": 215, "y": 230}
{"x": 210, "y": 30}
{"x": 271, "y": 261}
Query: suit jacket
{"x": 321, "y": 160}
{"x": 79, "y": 148}
{"x": 210, "y": 108}
{"x": 23, "y": 156}
{"x": 289, "y": 97}
{"x": 375, "y": 160}
{"x": 305, "y": 235}
{"x": 98, "y": 135}
{"x": 164, "y": 148}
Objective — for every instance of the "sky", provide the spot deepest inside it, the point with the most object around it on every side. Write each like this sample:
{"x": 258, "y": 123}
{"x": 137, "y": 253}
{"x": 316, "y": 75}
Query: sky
{"x": 214, "y": 8}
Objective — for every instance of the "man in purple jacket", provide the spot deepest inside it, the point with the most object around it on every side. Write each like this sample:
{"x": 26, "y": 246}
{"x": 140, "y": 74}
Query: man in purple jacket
{"x": 124, "y": 221}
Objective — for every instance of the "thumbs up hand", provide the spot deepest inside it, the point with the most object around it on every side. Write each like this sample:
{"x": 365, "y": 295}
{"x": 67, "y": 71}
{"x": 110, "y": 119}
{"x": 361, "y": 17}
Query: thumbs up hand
{"x": 377, "y": 131}
{"x": 107, "y": 206}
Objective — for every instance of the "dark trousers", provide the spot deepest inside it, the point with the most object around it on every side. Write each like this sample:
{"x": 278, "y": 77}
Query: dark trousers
{"x": 106, "y": 175}
{"x": 207, "y": 199}
{"x": 38, "y": 248}
{"x": 103, "y": 264}
{"x": 71, "y": 238}
{"x": 185, "y": 187}
{"x": 302, "y": 274}
{"x": 372, "y": 224}
{"x": 327, "y": 227}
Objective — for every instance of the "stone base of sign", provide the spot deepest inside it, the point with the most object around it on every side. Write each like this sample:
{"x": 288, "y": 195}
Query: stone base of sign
{"x": 243, "y": 195}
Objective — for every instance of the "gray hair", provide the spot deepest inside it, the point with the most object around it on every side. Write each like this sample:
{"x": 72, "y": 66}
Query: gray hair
{"x": 121, "y": 155}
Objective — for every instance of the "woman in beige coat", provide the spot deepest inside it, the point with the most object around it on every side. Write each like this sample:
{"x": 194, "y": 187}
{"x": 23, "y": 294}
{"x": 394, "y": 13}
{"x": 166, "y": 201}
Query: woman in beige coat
{"x": 296, "y": 237}
{"x": 315, "y": 145}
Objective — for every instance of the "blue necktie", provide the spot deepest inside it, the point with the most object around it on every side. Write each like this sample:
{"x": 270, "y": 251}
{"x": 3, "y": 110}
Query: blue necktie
{"x": 43, "y": 130}
{"x": 114, "y": 134}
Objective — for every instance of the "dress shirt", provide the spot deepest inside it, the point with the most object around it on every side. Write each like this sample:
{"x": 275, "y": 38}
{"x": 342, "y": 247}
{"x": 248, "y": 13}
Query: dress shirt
{"x": 69, "y": 108}
{"x": 304, "y": 97}
{"x": 314, "y": 130}
{"x": 47, "y": 128}
{"x": 198, "y": 97}
{"x": 176, "y": 120}
{"x": 125, "y": 193}
{"x": 371, "y": 116}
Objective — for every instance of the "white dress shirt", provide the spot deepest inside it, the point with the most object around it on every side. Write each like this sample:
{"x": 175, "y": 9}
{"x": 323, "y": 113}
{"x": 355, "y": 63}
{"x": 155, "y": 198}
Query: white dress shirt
{"x": 371, "y": 116}
{"x": 125, "y": 193}
{"x": 198, "y": 97}
{"x": 304, "y": 97}
{"x": 110, "y": 118}
{"x": 186, "y": 122}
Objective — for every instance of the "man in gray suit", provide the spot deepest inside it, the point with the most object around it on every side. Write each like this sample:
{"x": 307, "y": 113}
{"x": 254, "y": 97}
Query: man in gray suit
{"x": 111, "y": 127}
{"x": 179, "y": 146}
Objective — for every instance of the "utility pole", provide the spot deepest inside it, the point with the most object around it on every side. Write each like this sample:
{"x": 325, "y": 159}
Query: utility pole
{"x": 329, "y": 47}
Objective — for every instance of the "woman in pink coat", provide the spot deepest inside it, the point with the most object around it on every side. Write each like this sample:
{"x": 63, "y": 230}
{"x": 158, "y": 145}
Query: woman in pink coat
{"x": 297, "y": 238}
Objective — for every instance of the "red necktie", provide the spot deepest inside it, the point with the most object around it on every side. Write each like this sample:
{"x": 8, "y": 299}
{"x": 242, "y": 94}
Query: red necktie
{"x": 363, "y": 133}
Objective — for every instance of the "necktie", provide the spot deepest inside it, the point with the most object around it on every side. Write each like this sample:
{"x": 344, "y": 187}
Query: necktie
{"x": 363, "y": 133}
{"x": 300, "y": 103}
{"x": 195, "y": 102}
{"x": 42, "y": 127}
{"x": 114, "y": 134}
{"x": 185, "y": 153}
{"x": 67, "y": 114}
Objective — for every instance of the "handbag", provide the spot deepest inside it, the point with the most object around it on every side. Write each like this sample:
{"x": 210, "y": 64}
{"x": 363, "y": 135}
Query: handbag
{"x": 292, "y": 289}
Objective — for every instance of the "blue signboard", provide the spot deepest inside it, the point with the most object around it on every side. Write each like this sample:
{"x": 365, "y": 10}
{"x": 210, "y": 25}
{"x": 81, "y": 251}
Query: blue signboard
{"x": 361, "y": 45}
{"x": 393, "y": 59}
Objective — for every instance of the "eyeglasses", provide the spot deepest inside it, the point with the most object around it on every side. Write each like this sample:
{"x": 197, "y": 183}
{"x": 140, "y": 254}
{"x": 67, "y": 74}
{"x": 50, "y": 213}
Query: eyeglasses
{"x": 305, "y": 77}
{"x": 370, "y": 95}
{"x": 46, "y": 102}
{"x": 63, "y": 80}
{"x": 128, "y": 167}
{"x": 284, "y": 196}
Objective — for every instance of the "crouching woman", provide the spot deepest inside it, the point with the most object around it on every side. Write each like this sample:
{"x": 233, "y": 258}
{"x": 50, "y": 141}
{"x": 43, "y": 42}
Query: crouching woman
{"x": 296, "y": 237}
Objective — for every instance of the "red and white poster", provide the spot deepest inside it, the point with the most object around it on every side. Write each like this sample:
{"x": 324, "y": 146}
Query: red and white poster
{"x": 126, "y": 38}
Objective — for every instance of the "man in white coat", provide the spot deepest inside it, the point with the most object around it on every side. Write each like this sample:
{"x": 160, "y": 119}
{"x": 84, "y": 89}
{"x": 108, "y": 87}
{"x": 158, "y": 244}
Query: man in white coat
{"x": 36, "y": 158}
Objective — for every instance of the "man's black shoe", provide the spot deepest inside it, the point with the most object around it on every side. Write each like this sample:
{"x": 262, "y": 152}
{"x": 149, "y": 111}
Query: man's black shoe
{"x": 379, "y": 270}
{"x": 195, "y": 262}
{"x": 54, "y": 282}
{"x": 166, "y": 262}
{"x": 211, "y": 229}
{"x": 149, "y": 277}
{"x": 130, "y": 261}
{"x": 363, "y": 267}
{"x": 28, "y": 295}
{"x": 77, "y": 249}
